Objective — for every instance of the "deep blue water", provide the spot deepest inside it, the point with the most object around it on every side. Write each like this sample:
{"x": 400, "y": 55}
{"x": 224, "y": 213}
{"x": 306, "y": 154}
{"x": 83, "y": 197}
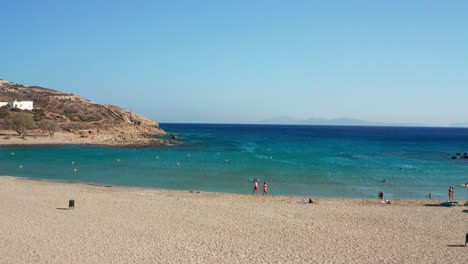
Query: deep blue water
{"x": 295, "y": 160}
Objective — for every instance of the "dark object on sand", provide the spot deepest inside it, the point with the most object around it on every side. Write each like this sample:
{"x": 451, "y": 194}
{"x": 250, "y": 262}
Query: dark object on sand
{"x": 449, "y": 204}
{"x": 466, "y": 239}
{"x": 71, "y": 204}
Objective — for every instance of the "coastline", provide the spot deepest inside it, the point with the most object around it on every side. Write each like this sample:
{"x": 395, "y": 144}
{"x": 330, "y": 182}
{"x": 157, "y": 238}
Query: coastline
{"x": 103, "y": 139}
{"x": 152, "y": 225}
{"x": 428, "y": 202}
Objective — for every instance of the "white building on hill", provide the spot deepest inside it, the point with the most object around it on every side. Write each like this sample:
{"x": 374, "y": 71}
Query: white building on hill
{"x": 23, "y": 105}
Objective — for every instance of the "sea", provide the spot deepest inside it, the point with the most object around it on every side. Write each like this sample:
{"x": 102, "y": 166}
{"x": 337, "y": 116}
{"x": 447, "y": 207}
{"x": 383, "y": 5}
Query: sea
{"x": 294, "y": 160}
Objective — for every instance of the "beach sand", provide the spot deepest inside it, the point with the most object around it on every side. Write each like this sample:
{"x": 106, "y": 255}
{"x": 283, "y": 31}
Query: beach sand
{"x": 125, "y": 225}
{"x": 8, "y": 137}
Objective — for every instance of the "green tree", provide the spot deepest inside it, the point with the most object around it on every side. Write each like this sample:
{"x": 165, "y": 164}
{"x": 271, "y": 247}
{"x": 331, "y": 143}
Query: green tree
{"x": 21, "y": 122}
{"x": 50, "y": 126}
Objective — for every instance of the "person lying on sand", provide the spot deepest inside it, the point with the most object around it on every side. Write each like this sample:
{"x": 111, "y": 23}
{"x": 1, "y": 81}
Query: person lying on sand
{"x": 386, "y": 202}
{"x": 305, "y": 201}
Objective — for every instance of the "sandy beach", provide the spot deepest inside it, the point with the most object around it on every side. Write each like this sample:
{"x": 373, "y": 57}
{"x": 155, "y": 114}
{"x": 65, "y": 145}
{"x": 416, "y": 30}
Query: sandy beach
{"x": 125, "y": 225}
{"x": 66, "y": 138}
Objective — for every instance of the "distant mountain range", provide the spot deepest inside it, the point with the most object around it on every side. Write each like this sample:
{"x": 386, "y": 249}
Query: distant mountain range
{"x": 284, "y": 120}
{"x": 463, "y": 124}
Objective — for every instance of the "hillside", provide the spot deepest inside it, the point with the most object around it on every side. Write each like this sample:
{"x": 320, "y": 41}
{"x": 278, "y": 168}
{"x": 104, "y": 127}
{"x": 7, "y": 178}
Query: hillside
{"x": 100, "y": 124}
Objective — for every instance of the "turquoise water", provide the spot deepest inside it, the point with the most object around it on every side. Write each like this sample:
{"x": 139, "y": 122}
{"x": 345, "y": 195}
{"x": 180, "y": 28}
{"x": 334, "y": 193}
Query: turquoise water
{"x": 294, "y": 160}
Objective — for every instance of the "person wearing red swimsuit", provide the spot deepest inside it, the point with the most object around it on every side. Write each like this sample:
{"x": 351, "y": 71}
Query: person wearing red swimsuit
{"x": 265, "y": 188}
{"x": 255, "y": 186}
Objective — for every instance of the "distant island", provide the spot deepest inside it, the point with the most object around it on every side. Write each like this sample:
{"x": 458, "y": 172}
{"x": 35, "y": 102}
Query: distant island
{"x": 285, "y": 120}
{"x": 37, "y": 115}
{"x": 463, "y": 124}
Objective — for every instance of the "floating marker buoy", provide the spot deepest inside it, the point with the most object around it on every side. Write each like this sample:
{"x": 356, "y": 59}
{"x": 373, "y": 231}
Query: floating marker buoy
{"x": 178, "y": 163}
{"x": 157, "y": 157}
{"x": 12, "y": 153}
{"x": 118, "y": 160}
{"x": 21, "y": 166}
{"x": 73, "y": 162}
{"x": 75, "y": 170}
{"x": 227, "y": 160}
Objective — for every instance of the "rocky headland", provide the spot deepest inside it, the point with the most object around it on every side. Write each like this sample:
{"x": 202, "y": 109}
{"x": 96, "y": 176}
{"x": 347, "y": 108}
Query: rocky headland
{"x": 77, "y": 120}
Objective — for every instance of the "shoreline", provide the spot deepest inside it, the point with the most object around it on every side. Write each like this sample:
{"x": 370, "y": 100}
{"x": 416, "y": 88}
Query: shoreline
{"x": 428, "y": 202}
{"x": 67, "y": 138}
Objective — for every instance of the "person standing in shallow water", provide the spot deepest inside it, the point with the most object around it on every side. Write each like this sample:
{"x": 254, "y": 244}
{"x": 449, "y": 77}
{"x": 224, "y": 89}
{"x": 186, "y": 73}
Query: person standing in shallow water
{"x": 265, "y": 188}
{"x": 255, "y": 190}
{"x": 451, "y": 193}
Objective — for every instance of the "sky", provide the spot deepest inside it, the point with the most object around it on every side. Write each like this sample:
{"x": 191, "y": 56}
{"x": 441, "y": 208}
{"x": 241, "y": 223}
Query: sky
{"x": 245, "y": 61}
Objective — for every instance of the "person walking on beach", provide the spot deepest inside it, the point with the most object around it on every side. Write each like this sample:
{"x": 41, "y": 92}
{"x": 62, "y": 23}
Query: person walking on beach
{"x": 255, "y": 190}
{"x": 265, "y": 188}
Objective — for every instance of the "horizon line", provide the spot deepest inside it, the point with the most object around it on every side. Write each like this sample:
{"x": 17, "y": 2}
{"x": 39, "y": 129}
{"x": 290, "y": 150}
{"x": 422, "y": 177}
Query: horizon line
{"x": 259, "y": 124}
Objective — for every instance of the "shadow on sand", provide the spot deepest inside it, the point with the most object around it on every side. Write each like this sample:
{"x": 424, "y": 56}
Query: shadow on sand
{"x": 456, "y": 246}
{"x": 60, "y": 208}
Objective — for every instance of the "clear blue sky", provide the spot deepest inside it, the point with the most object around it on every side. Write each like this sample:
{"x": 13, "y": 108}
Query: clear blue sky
{"x": 244, "y": 61}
